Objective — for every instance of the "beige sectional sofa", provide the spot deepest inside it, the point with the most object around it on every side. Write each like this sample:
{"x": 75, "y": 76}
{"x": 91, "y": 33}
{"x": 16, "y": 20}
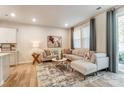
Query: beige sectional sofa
{"x": 87, "y": 62}
{"x": 83, "y": 60}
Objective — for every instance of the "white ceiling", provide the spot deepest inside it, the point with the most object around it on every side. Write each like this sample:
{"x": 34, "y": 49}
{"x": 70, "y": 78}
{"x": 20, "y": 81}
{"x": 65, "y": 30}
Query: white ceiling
{"x": 50, "y": 15}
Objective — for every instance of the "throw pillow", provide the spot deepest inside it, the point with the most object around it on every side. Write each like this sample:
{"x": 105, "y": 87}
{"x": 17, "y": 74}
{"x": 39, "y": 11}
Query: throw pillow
{"x": 92, "y": 57}
{"x": 44, "y": 54}
{"x": 55, "y": 52}
{"x": 87, "y": 56}
{"x": 47, "y": 51}
{"x": 67, "y": 51}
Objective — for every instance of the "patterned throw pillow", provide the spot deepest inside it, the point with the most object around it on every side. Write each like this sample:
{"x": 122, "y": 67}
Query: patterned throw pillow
{"x": 87, "y": 56}
{"x": 47, "y": 51}
{"x": 67, "y": 51}
{"x": 90, "y": 57}
{"x": 75, "y": 51}
{"x": 55, "y": 52}
{"x": 44, "y": 54}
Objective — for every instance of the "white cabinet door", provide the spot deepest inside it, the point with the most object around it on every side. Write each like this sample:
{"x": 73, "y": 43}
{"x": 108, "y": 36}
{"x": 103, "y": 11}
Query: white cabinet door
{"x": 7, "y": 64}
{"x": 7, "y": 35}
{"x": 5, "y": 67}
{"x": 0, "y": 71}
{"x": 13, "y": 58}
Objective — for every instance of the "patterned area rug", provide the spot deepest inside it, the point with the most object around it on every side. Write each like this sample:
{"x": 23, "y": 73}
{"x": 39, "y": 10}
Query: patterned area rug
{"x": 49, "y": 75}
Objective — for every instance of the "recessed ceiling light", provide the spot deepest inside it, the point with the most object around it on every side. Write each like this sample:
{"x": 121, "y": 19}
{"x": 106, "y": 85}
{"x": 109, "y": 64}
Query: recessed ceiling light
{"x": 66, "y": 25}
{"x": 34, "y": 19}
{"x": 12, "y": 14}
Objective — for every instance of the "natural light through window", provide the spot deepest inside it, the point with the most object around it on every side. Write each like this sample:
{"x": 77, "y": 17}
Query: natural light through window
{"x": 82, "y": 36}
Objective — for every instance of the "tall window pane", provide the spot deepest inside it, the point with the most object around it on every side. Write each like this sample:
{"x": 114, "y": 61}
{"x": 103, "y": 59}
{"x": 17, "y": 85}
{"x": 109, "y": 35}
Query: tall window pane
{"x": 86, "y": 37}
{"x": 77, "y": 38}
{"x": 81, "y": 36}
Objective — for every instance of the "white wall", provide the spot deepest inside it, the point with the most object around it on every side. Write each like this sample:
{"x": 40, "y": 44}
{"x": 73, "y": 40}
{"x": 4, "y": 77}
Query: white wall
{"x": 101, "y": 32}
{"x": 28, "y": 33}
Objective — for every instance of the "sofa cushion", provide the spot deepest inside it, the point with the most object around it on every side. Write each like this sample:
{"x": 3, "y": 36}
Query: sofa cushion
{"x": 84, "y": 67}
{"x": 75, "y": 51}
{"x": 66, "y": 51}
{"x": 72, "y": 57}
{"x": 80, "y": 51}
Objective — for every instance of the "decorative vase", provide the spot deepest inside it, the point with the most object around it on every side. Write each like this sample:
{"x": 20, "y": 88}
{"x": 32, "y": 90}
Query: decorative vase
{"x": 57, "y": 57}
{"x": 61, "y": 55}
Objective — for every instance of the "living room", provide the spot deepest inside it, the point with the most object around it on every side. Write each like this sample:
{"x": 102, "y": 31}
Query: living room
{"x": 58, "y": 47}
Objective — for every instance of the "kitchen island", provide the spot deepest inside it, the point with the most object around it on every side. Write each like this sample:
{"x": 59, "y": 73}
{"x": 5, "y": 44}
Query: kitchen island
{"x": 4, "y": 66}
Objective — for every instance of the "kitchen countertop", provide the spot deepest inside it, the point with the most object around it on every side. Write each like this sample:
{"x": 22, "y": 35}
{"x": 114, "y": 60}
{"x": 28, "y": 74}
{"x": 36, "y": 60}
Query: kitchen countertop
{"x": 8, "y": 51}
{"x": 2, "y": 54}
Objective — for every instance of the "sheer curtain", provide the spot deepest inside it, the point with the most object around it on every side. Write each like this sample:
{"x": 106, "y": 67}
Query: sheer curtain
{"x": 77, "y": 37}
{"x": 86, "y": 37}
{"x": 81, "y": 36}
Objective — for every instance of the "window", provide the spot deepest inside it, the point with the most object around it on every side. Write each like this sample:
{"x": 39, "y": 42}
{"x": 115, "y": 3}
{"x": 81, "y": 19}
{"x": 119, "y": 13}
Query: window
{"x": 86, "y": 37}
{"x": 77, "y": 38}
{"x": 81, "y": 36}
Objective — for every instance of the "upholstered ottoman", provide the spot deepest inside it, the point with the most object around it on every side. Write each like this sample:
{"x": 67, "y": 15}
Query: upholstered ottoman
{"x": 84, "y": 67}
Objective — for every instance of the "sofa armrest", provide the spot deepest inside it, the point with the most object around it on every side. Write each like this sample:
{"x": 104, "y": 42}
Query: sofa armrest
{"x": 102, "y": 62}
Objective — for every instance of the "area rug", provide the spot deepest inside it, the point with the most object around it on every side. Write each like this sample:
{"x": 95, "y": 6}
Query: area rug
{"x": 49, "y": 75}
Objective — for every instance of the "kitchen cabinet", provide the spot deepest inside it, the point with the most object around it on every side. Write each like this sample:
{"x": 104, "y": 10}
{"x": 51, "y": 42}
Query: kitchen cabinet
{"x": 13, "y": 58}
{"x": 4, "y": 67}
{"x": 8, "y": 35}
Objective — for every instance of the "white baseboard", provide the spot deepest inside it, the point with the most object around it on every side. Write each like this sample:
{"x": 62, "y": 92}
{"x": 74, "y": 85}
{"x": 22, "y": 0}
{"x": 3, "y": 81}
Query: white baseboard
{"x": 1, "y": 83}
{"x": 22, "y": 62}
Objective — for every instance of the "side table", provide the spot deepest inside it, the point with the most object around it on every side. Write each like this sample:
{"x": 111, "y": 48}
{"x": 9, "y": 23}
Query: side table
{"x": 35, "y": 56}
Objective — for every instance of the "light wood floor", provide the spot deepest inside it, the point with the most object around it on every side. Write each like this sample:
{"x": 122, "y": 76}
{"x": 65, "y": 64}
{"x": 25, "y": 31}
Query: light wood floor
{"x": 23, "y": 75}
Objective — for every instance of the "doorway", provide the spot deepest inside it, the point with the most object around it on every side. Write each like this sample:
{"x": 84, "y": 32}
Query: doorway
{"x": 120, "y": 40}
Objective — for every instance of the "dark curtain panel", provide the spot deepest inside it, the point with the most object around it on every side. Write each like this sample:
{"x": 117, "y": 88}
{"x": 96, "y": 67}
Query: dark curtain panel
{"x": 111, "y": 39}
{"x": 72, "y": 42}
{"x": 92, "y": 34}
